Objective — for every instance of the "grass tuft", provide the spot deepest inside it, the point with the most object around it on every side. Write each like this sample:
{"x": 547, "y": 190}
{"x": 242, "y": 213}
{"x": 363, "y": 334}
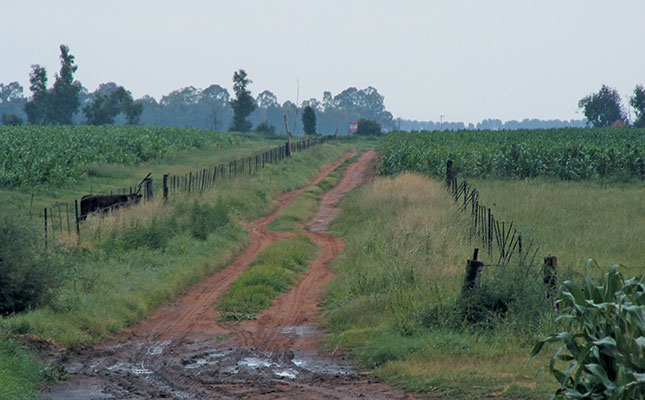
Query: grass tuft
{"x": 272, "y": 273}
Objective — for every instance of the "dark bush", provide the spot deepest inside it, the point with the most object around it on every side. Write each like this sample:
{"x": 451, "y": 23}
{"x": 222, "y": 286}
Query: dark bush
{"x": 512, "y": 297}
{"x": 28, "y": 274}
{"x": 265, "y": 127}
{"x": 368, "y": 127}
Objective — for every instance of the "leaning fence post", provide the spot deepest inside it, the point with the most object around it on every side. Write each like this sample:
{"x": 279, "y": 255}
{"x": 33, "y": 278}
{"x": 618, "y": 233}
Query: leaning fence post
{"x": 473, "y": 273}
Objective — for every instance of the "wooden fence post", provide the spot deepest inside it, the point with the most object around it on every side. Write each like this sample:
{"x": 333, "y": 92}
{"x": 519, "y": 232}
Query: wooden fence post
{"x": 490, "y": 232}
{"x": 165, "y": 187}
{"x": 78, "y": 226}
{"x": 450, "y": 173}
{"x": 149, "y": 189}
{"x": 45, "y": 227}
{"x": 473, "y": 273}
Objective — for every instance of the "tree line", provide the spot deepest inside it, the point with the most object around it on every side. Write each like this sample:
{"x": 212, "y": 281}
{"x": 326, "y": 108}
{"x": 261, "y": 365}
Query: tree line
{"x": 214, "y": 108}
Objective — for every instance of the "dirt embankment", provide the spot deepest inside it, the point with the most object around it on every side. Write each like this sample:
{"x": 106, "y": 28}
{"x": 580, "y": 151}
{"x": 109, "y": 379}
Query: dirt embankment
{"x": 182, "y": 351}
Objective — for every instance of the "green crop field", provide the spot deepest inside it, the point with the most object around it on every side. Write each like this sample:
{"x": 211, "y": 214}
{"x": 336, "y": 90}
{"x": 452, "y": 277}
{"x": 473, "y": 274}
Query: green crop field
{"x": 55, "y": 155}
{"x": 568, "y": 154}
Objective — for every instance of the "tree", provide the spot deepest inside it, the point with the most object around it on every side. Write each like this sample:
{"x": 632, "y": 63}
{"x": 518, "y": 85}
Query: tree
{"x": 369, "y": 127}
{"x": 267, "y": 99}
{"x": 243, "y": 103}
{"x": 37, "y": 108}
{"x": 10, "y": 92}
{"x": 65, "y": 93}
{"x": 309, "y": 120}
{"x": 638, "y": 102}
{"x": 602, "y": 109}
{"x": 106, "y": 108}
{"x": 11, "y": 120}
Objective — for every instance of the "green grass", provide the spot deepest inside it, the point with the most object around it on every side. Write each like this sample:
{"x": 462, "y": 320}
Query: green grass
{"x": 393, "y": 302}
{"x": 304, "y": 207}
{"x": 20, "y": 376}
{"x": 110, "y": 177}
{"x": 575, "y": 221}
{"x": 110, "y": 283}
{"x": 272, "y": 273}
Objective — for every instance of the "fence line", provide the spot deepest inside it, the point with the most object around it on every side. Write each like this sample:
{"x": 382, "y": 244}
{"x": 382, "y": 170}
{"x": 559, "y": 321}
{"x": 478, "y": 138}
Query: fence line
{"x": 55, "y": 224}
{"x": 500, "y": 239}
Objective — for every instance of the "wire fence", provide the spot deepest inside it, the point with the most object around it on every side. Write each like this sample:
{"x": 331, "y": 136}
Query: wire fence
{"x": 501, "y": 240}
{"x": 64, "y": 218}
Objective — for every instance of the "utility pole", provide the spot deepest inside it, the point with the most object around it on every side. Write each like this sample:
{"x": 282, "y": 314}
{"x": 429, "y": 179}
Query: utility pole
{"x": 441, "y": 122}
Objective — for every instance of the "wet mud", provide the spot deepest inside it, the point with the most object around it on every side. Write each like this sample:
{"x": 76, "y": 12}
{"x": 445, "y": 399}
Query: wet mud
{"x": 182, "y": 351}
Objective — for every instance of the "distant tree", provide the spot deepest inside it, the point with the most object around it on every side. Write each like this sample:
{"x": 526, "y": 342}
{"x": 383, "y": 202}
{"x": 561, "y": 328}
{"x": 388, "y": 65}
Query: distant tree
{"x": 12, "y": 100}
{"x": 65, "y": 93}
{"x": 267, "y": 99}
{"x": 11, "y": 120}
{"x": 638, "y": 102}
{"x": 243, "y": 104}
{"x": 105, "y": 108}
{"x": 215, "y": 103}
{"x": 37, "y": 107}
{"x": 309, "y": 120}
{"x": 602, "y": 109}
{"x": 10, "y": 92}
{"x": 265, "y": 127}
{"x": 369, "y": 127}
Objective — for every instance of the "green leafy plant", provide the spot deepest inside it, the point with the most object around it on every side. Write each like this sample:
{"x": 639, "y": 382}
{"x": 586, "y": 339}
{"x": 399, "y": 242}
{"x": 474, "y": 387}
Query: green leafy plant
{"x": 605, "y": 344}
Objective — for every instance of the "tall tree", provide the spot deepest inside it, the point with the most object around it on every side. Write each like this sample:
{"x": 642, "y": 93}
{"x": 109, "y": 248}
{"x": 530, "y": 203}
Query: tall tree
{"x": 638, "y": 102}
{"x": 309, "y": 120}
{"x": 243, "y": 103}
{"x": 37, "y": 107}
{"x": 603, "y": 108}
{"x": 65, "y": 93}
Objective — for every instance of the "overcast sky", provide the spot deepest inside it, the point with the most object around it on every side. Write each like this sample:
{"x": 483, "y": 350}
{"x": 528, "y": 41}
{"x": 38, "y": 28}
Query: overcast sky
{"x": 467, "y": 60}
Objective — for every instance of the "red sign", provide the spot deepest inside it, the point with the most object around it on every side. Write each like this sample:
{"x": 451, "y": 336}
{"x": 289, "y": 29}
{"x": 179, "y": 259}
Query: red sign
{"x": 353, "y": 127}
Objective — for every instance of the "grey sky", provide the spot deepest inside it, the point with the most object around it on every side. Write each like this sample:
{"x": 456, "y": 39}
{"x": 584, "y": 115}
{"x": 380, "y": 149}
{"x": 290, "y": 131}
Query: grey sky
{"x": 467, "y": 60}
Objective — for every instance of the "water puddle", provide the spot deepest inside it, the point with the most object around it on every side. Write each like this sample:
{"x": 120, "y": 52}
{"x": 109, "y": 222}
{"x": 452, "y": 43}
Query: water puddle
{"x": 300, "y": 331}
{"x": 286, "y": 373}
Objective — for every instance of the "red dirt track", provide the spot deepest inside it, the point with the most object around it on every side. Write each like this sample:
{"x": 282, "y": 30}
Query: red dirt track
{"x": 182, "y": 351}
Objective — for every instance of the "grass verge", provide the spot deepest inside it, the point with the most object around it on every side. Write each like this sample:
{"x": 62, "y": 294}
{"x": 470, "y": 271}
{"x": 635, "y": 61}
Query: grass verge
{"x": 575, "y": 220}
{"x": 395, "y": 302}
{"x": 304, "y": 207}
{"x": 20, "y": 375}
{"x": 272, "y": 273}
{"x": 132, "y": 261}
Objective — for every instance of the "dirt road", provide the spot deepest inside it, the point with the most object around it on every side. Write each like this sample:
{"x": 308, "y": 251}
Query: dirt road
{"x": 182, "y": 351}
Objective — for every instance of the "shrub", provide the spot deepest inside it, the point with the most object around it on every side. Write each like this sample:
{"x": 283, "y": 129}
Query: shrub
{"x": 605, "y": 343}
{"x": 27, "y": 272}
{"x": 206, "y": 218}
{"x": 368, "y": 127}
{"x": 265, "y": 127}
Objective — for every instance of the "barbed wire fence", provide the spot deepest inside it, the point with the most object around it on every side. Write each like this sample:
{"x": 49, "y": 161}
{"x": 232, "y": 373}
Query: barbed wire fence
{"x": 66, "y": 219}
